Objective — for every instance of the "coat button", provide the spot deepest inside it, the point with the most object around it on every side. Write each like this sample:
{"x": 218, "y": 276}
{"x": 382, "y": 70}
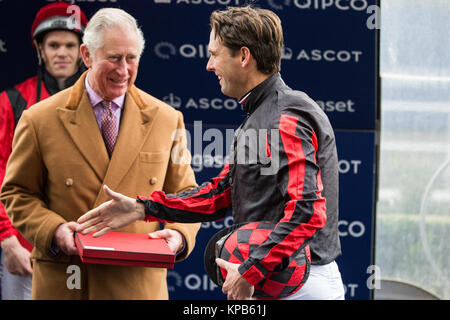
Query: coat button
{"x": 69, "y": 182}
{"x": 153, "y": 180}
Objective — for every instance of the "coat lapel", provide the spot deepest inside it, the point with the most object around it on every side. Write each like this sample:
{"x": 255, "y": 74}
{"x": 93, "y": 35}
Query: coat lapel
{"x": 79, "y": 120}
{"x": 135, "y": 126}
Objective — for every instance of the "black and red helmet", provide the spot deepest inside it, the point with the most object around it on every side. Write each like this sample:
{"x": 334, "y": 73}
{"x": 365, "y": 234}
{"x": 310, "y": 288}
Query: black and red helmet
{"x": 234, "y": 244}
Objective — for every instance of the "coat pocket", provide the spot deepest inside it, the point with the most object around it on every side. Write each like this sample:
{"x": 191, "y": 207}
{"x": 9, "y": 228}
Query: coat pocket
{"x": 152, "y": 157}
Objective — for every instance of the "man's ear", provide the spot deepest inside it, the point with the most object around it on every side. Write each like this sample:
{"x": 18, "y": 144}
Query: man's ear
{"x": 86, "y": 55}
{"x": 245, "y": 56}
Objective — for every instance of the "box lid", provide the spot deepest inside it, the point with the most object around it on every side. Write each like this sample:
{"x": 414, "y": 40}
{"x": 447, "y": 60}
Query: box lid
{"x": 124, "y": 246}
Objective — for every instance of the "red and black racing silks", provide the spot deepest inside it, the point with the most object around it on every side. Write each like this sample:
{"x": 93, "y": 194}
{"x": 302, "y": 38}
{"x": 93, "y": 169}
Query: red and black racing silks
{"x": 208, "y": 202}
{"x": 283, "y": 169}
{"x": 13, "y": 102}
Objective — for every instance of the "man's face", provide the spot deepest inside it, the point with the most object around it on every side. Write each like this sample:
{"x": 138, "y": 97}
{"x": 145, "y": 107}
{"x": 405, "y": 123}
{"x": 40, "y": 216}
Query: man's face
{"x": 114, "y": 67}
{"x": 61, "y": 53}
{"x": 226, "y": 67}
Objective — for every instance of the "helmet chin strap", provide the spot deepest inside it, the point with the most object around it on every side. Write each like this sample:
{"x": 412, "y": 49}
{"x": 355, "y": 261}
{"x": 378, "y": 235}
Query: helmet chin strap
{"x": 38, "y": 51}
{"x": 39, "y": 73}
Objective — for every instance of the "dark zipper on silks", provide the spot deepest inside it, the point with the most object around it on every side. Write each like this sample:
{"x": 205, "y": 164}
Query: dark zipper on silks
{"x": 235, "y": 150}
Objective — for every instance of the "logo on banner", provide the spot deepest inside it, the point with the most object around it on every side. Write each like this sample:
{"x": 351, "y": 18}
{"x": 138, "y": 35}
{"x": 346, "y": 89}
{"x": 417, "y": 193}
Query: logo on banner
{"x": 3, "y": 46}
{"x": 327, "y": 55}
{"x": 349, "y": 166}
{"x": 350, "y": 289}
{"x": 219, "y": 225}
{"x": 353, "y": 229}
{"x": 343, "y": 5}
{"x": 201, "y": 103}
{"x": 191, "y": 281}
{"x": 336, "y": 106}
{"x": 165, "y": 50}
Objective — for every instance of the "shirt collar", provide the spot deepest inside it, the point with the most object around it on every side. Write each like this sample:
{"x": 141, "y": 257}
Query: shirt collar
{"x": 51, "y": 83}
{"x": 95, "y": 99}
{"x": 250, "y": 102}
{"x": 245, "y": 97}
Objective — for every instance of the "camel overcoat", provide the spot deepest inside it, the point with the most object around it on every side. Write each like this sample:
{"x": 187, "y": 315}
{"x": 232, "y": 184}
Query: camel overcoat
{"x": 56, "y": 171}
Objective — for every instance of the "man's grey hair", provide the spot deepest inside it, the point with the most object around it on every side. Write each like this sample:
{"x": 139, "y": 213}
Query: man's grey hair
{"x": 107, "y": 18}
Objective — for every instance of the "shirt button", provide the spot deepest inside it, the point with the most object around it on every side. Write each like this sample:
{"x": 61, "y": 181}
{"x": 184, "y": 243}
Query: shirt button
{"x": 69, "y": 182}
{"x": 153, "y": 180}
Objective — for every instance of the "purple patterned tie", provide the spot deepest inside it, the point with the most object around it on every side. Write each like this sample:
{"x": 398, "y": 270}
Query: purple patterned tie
{"x": 109, "y": 127}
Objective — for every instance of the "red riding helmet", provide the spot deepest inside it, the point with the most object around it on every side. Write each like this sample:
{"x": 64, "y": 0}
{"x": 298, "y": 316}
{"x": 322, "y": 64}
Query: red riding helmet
{"x": 58, "y": 16}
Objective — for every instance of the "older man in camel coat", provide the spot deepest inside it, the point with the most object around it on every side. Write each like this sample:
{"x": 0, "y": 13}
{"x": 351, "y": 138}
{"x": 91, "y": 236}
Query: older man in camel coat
{"x": 62, "y": 157}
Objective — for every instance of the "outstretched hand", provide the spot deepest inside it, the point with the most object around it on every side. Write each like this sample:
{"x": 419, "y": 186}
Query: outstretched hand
{"x": 114, "y": 214}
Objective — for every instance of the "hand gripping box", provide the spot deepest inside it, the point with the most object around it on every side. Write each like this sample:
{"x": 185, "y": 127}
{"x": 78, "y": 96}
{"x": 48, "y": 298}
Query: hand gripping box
{"x": 125, "y": 249}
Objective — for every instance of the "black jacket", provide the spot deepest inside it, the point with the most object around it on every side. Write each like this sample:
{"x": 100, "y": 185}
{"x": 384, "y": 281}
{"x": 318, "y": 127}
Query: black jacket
{"x": 283, "y": 168}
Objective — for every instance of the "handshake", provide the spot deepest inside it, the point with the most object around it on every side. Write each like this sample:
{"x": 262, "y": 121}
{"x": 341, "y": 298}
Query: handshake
{"x": 114, "y": 214}
{"x": 121, "y": 211}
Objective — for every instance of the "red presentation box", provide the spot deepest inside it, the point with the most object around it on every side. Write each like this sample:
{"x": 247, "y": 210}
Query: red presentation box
{"x": 125, "y": 249}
